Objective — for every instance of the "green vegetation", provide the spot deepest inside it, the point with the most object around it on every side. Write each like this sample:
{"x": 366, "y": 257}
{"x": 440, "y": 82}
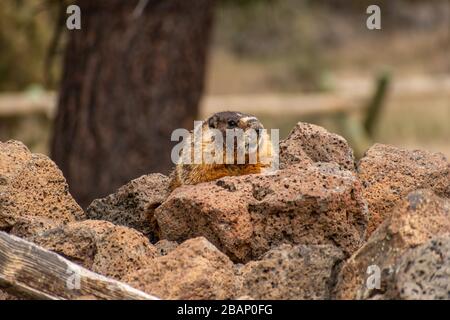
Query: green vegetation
{"x": 26, "y": 28}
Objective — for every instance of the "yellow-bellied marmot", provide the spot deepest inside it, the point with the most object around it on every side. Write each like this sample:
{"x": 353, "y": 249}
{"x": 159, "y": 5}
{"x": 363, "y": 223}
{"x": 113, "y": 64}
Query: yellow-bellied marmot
{"x": 193, "y": 173}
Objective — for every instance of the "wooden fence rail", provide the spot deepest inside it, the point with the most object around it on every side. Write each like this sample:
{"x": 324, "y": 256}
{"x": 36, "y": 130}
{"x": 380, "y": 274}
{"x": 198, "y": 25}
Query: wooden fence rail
{"x": 30, "y": 271}
{"x": 272, "y": 104}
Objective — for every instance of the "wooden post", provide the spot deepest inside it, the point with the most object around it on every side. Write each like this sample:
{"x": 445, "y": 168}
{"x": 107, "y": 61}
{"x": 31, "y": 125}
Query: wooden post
{"x": 376, "y": 104}
{"x": 354, "y": 133}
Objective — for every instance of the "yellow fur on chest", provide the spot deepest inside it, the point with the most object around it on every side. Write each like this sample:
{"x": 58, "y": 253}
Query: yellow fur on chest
{"x": 193, "y": 174}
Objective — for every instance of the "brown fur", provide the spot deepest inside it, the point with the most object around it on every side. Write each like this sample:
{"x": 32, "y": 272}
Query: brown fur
{"x": 189, "y": 174}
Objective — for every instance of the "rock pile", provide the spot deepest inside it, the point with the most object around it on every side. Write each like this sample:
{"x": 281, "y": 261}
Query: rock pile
{"x": 310, "y": 230}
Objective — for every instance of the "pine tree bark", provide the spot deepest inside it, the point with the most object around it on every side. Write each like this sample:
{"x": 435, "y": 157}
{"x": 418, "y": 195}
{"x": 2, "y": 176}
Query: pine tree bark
{"x": 129, "y": 80}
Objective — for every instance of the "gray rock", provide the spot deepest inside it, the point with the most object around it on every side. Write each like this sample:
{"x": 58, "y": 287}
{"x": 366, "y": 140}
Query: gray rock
{"x": 133, "y": 204}
{"x": 292, "y": 272}
{"x": 423, "y": 273}
{"x": 418, "y": 218}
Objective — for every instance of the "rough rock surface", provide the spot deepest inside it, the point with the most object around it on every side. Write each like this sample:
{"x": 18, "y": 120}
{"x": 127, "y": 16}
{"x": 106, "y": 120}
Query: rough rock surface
{"x": 309, "y": 143}
{"x": 32, "y": 226}
{"x": 133, "y": 204}
{"x": 388, "y": 174}
{"x": 100, "y": 246}
{"x": 423, "y": 273}
{"x": 194, "y": 270}
{"x": 164, "y": 246}
{"x": 417, "y": 219}
{"x": 292, "y": 272}
{"x": 32, "y": 187}
{"x": 246, "y": 216}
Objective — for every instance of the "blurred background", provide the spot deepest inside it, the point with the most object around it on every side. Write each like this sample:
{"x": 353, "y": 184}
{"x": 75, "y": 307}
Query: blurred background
{"x": 102, "y": 101}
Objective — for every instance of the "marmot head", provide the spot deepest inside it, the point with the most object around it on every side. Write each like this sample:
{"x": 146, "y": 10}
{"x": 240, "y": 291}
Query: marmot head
{"x": 206, "y": 153}
{"x": 249, "y": 124}
{"x": 233, "y": 120}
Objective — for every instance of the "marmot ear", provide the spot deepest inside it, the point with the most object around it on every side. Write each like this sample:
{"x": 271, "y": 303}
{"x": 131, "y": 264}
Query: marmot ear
{"x": 212, "y": 122}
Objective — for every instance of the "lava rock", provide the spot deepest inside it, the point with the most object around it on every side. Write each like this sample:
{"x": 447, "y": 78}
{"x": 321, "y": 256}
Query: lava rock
{"x": 100, "y": 246}
{"x": 33, "y": 188}
{"x": 194, "y": 270}
{"x": 133, "y": 204}
{"x": 416, "y": 220}
{"x": 164, "y": 246}
{"x": 423, "y": 273}
{"x": 388, "y": 174}
{"x": 308, "y": 143}
{"x": 292, "y": 272}
{"x": 245, "y": 216}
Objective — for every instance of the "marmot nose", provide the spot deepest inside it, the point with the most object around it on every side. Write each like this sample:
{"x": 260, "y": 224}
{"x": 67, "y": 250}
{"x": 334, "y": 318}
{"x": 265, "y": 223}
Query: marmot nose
{"x": 257, "y": 126}
{"x": 254, "y": 124}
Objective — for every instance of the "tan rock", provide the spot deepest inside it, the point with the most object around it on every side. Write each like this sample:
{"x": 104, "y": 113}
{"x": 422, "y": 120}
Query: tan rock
{"x": 308, "y": 143}
{"x": 246, "y": 216}
{"x": 423, "y": 273}
{"x": 32, "y": 226}
{"x": 292, "y": 272}
{"x": 417, "y": 219}
{"x": 194, "y": 270}
{"x": 133, "y": 204}
{"x": 388, "y": 174}
{"x": 32, "y": 187}
{"x": 100, "y": 246}
{"x": 164, "y": 246}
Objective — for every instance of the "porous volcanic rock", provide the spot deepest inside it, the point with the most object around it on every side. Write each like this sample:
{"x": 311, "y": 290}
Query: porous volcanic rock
{"x": 423, "y": 273}
{"x": 308, "y": 143}
{"x": 32, "y": 226}
{"x": 100, "y": 246}
{"x": 416, "y": 220}
{"x": 292, "y": 272}
{"x": 133, "y": 204}
{"x": 245, "y": 216}
{"x": 32, "y": 187}
{"x": 194, "y": 270}
{"x": 165, "y": 246}
{"x": 388, "y": 174}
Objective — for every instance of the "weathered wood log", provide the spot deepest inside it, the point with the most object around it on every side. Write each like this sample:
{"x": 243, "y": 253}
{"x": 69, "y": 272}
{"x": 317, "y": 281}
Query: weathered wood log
{"x": 30, "y": 271}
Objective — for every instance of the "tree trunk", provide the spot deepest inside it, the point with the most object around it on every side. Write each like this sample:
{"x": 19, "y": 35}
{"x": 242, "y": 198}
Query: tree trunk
{"x": 129, "y": 80}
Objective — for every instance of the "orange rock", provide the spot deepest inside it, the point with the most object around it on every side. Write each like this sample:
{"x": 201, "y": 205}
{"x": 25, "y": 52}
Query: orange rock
{"x": 417, "y": 219}
{"x": 246, "y": 216}
{"x": 194, "y": 270}
{"x": 100, "y": 246}
{"x": 388, "y": 174}
{"x": 33, "y": 190}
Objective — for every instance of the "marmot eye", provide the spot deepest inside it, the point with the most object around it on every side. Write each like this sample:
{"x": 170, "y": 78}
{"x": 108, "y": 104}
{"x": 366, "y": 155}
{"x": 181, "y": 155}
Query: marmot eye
{"x": 232, "y": 124}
